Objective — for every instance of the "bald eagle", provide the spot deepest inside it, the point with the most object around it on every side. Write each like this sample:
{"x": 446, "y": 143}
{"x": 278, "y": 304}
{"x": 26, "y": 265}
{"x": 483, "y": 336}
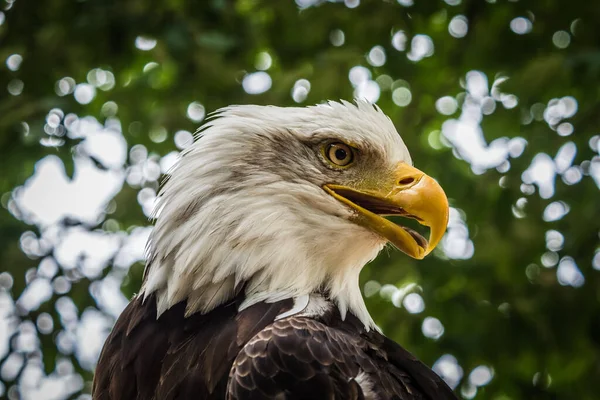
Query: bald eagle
{"x": 251, "y": 287}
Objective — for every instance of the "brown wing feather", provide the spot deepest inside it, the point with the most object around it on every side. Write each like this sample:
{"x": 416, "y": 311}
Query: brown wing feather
{"x": 300, "y": 358}
{"x": 174, "y": 357}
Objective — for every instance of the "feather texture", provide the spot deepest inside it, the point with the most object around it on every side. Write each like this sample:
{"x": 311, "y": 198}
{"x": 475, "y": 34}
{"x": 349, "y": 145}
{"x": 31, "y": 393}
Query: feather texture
{"x": 245, "y": 202}
{"x": 248, "y": 355}
{"x": 251, "y": 286}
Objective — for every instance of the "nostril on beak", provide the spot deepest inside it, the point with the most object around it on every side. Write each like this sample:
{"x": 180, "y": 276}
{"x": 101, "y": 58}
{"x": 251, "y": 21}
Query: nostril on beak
{"x": 406, "y": 181}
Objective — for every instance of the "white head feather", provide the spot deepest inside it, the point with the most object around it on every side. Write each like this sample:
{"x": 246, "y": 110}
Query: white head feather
{"x": 245, "y": 205}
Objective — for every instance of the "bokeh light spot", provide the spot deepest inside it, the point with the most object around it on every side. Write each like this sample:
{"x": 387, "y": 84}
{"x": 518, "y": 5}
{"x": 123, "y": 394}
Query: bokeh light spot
{"x": 337, "y": 37}
{"x": 555, "y": 211}
{"x": 376, "y": 56}
{"x": 352, "y": 3}
{"x": 446, "y": 105}
{"x": 399, "y": 40}
{"x": 401, "y": 96}
{"x": 384, "y": 81}
{"x": 421, "y": 46}
{"x": 543, "y": 380}
{"x": 542, "y": 172}
{"x": 509, "y": 101}
{"x": 516, "y": 146}
{"x": 565, "y": 129}
{"x": 358, "y": 75}
{"x": 456, "y": 243}
{"x": 481, "y": 376}
{"x": 561, "y": 39}
{"x": 596, "y": 260}
{"x": 168, "y": 161}
{"x": 263, "y": 61}
{"x": 414, "y": 303}
{"x": 158, "y": 134}
{"x": 183, "y": 139}
{"x": 572, "y": 175}
{"x": 147, "y": 199}
{"x": 432, "y": 328}
{"x": 145, "y": 43}
{"x": 533, "y": 272}
{"x": 150, "y": 66}
{"x": 371, "y": 288}
{"x": 594, "y": 143}
{"x": 15, "y": 87}
{"x": 257, "y": 82}
{"x": 448, "y": 368}
{"x": 468, "y": 391}
{"x": 306, "y": 3}
{"x": 558, "y": 109}
{"x": 368, "y": 90}
{"x": 458, "y": 26}
{"x": 300, "y": 90}
{"x": 138, "y": 153}
{"x": 6, "y": 281}
{"x": 388, "y": 291}
{"x": 84, "y": 93}
{"x": 568, "y": 274}
{"x": 45, "y": 324}
{"x": 102, "y": 79}
{"x": 521, "y": 25}
{"x": 13, "y": 62}
{"x": 196, "y": 111}
{"x": 65, "y": 86}
{"x": 554, "y": 240}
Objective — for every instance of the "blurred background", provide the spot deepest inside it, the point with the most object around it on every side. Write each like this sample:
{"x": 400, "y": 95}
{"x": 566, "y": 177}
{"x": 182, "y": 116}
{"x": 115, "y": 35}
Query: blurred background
{"x": 499, "y": 100}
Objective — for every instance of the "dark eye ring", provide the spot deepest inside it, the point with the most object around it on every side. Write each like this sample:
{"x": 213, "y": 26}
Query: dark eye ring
{"x": 339, "y": 154}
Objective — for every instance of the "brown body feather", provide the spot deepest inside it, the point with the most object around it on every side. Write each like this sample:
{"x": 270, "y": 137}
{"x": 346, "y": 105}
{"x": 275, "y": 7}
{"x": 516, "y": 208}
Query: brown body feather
{"x": 229, "y": 355}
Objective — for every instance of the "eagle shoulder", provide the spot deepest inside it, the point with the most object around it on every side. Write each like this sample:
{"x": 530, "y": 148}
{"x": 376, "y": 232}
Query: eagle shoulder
{"x": 176, "y": 356}
{"x": 249, "y": 354}
{"x": 296, "y": 358}
{"x": 300, "y": 358}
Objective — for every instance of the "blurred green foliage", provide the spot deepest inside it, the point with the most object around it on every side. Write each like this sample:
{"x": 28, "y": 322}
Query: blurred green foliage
{"x": 500, "y": 307}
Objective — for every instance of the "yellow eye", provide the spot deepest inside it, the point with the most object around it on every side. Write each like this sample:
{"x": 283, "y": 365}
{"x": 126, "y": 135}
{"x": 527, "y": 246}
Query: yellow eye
{"x": 340, "y": 154}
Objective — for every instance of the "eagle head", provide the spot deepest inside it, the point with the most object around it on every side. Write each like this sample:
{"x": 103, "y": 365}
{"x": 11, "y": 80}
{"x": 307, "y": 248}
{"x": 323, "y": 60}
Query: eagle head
{"x": 284, "y": 202}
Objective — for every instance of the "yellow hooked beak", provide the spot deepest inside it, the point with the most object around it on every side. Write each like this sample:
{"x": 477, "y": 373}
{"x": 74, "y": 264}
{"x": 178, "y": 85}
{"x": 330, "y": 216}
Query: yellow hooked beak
{"x": 413, "y": 194}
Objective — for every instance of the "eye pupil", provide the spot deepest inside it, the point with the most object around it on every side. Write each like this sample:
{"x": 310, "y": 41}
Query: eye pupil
{"x": 341, "y": 154}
